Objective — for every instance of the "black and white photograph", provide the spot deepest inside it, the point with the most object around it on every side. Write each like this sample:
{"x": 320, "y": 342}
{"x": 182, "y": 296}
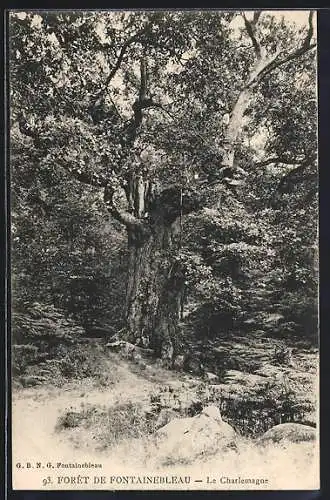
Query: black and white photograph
{"x": 164, "y": 249}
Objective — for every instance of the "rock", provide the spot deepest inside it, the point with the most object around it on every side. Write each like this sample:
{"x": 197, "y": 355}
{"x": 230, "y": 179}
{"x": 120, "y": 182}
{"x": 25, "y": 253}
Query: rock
{"x": 128, "y": 350}
{"x": 213, "y": 412}
{"x": 288, "y": 433}
{"x": 211, "y": 377}
{"x": 165, "y": 416}
{"x": 244, "y": 378}
{"x": 183, "y": 440}
{"x": 116, "y": 346}
{"x": 137, "y": 358}
{"x": 101, "y": 331}
{"x": 177, "y": 426}
{"x": 178, "y": 363}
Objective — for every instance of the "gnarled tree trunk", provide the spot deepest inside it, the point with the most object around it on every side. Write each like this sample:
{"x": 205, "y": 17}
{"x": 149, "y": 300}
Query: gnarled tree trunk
{"x": 154, "y": 289}
{"x": 155, "y": 280}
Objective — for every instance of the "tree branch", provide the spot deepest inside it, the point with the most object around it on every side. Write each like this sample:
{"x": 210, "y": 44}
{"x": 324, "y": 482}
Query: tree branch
{"x": 275, "y": 62}
{"x": 120, "y": 57}
{"x": 122, "y": 216}
{"x": 289, "y": 177}
{"x": 144, "y": 80}
{"x": 250, "y": 28}
{"x": 142, "y": 102}
{"x": 278, "y": 63}
{"x": 292, "y": 173}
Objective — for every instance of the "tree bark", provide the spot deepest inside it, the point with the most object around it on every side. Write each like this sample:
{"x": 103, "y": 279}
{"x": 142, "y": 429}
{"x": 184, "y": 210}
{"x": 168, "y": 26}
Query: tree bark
{"x": 234, "y": 128}
{"x": 154, "y": 290}
{"x": 155, "y": 281}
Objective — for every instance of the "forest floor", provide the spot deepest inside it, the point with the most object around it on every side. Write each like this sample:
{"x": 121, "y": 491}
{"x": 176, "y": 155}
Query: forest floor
{"x": 110, "y": 416}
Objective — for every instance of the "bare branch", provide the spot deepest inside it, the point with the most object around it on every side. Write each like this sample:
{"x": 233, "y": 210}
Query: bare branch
{"x": 116, "y": 109}
{"x": 310, "y": 30}
{"x": 289, "y": 177}
{"x": 159, "y": 106}
{"x": 250, "y": 28}
{"x": 275, "y": 62}
{"x": 256, "y": 16}
{"x": 144, "y": 80}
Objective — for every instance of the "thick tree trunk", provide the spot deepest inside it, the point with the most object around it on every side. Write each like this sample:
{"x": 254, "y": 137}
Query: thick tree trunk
{"x": 155, "y": 281}
{"x": 154, "y": 290}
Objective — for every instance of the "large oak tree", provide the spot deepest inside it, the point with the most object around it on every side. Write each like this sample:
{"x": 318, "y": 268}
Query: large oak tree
{"x": 161, "y": 112}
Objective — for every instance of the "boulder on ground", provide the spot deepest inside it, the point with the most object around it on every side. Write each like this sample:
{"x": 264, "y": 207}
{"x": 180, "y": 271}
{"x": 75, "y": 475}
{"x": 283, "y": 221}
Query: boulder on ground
{"x": 288, "y": 433}
{"x": 183, "y": 440}
{"x": 165, "y": 416}
{"x": 213, "y": 412}
{"x": 119, "y": 345}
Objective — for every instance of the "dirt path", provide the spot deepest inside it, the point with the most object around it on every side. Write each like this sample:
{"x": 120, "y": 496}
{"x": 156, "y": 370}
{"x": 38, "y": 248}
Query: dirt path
{"x": 35, "y": 412}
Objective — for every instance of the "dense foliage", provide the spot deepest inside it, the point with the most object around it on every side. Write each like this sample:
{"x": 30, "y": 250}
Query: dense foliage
{"x": 247, "y": 249}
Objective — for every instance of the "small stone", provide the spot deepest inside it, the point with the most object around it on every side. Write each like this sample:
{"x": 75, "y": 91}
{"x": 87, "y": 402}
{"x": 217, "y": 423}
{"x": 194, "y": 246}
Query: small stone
{"x": 211, "y": 377}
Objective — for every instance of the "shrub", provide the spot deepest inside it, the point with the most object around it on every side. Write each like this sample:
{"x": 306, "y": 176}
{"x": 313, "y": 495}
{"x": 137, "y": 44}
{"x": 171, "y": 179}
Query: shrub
{"x": 282, "y": 355}
{"x": 254, "y": 412}
{"x": 110, "y": 426}
{"x": 251, "y": 411}
{"x": 22, "y": 356}
{"x": 43, "y": 324}
{"x": 37, "y": 330}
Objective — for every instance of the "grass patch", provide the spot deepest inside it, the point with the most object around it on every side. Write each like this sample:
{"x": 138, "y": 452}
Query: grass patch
{"x": 108, "y": 426}
{"x": 74, "y": 362}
